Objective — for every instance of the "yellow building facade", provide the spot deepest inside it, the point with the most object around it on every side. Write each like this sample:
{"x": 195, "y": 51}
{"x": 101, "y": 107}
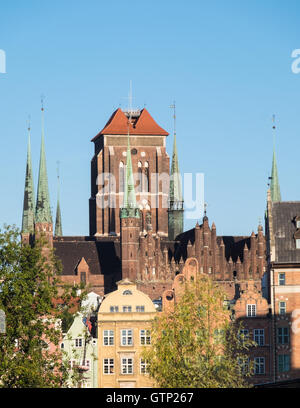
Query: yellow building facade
{"x": 124, "y": 322}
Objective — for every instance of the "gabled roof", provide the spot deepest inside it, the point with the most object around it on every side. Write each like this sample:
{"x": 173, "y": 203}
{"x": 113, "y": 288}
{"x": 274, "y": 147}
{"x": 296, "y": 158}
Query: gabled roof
{"x": 143, "y": 125}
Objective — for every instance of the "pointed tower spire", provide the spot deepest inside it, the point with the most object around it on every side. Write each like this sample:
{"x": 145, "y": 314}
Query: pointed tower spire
{"x": 43, "y": 211}
{"x": 28, "y": 206}
{"x": 58, "y": 224}
{"x": 175, "y": 193}
{"x": 274, "y": 186}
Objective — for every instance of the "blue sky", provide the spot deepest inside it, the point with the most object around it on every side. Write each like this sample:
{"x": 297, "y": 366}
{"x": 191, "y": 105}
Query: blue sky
{"x": 226, "y": 63}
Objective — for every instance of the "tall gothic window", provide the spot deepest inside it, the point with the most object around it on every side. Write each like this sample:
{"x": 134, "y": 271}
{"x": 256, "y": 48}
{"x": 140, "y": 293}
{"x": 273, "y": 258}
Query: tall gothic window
{"x": 121, "y": 177}
{"x": 146, "y": 178}
{"x": 140, "y": 178}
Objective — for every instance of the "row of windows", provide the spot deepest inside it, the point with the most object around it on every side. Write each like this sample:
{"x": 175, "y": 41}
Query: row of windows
{"x": 283, "y": 364}
{"x": 127, "y": 309}
{"x": 126, "y": 337}
{"x": 251, "y": 309}
{"x": 126, "y": 366}
{"x": 283, "y": 335}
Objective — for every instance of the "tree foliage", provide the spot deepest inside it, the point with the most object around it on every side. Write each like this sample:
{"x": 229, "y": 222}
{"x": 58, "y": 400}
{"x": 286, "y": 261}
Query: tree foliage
{"x": 34, "y": 300}
{"x": 197, "y": 345}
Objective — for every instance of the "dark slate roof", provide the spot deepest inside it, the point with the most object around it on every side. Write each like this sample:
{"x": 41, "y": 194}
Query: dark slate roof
{"x": 103, "y": 257}
{"x": 284, "y": 228}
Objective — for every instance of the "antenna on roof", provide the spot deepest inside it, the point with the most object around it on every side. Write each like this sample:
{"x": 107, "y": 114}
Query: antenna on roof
{"x": 174, "y": 115}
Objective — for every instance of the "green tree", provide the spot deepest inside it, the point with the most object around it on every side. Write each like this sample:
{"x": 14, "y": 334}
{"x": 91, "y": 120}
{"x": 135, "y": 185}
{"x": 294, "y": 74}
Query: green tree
{"x": 34, "y": 300}
{"x": 197, "y": 345}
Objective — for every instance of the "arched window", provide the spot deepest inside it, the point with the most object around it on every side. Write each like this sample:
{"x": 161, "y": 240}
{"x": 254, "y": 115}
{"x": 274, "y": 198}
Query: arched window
{"x": 140, "y": 178}
{"x": 121, "y": 177}
{"x": 146, "y": 178}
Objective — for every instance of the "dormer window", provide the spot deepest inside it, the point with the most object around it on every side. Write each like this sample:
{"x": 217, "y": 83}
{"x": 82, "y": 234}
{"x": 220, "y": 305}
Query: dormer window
{"x": 127, "y": 292}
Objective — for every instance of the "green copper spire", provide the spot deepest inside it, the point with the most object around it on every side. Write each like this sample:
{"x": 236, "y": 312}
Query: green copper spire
{"x": 175, "y": 213}
{"x": 43, "y": 211}
{"x": 175, "y": 181}
{"x": 274, "y": 187}
{"x": 58, "y": 224}
{"x": 28, "y": 206}
{"x": 129, "y": 205}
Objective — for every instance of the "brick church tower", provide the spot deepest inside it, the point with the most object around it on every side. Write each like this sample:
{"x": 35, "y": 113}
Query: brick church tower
{"x": 130, "y": 225}
{"x": 150, "y": 166}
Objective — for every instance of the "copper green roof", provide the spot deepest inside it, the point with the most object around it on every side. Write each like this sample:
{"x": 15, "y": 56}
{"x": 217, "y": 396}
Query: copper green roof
{"x": 175, "y": 180}
{"x": 58, "y": 223}
{"x": 43, "y": 211}
{"x": 28, "y": 205}
{"x": 274, "y": 187}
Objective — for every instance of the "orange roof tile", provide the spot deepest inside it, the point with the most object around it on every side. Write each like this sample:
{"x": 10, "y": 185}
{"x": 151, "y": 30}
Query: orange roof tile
{"x": 144, "y": 125}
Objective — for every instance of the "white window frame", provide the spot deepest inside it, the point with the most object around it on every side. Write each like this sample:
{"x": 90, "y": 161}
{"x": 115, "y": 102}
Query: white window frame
{"x": 108, "y": 337}
{"x": 259, "y": 336}
{"x": 127, "y": 365}
{"x": 140, "y": 308}
{"x": 126, "y": 337}
{"x": 297, "y": 243}
{"x": 282, "y": 308}
{"x": 78, "y": 342}
{"x": 109, "y": 366}
{"x": 251, "y": 310}
{"x": 145, "y": 337}
{"x": 281, "y": 282}
{"x": 260, "y": 363}
{"x": 144, "y": 366}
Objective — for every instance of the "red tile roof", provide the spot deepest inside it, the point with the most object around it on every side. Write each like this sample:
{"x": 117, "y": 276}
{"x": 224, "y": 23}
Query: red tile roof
{"x": 143, "y": 125}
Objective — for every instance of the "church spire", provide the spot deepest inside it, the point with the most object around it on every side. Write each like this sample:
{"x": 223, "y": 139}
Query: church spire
{"x": 274, "y": 186}
{"x": 175, "y": 219}
{"x": 58, "y": 223}
{"x": 28, "y": 206}
{"x": 43, "y": 211}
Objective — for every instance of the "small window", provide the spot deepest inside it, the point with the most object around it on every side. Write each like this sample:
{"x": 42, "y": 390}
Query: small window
{"x": 108, "y": 337}
{"x": 78, "y": 343}
{"x": 259, "y": 365}
{"x": 259, "y": 336}
{"x": 283, "y": 363}
{"x": 127, "y": 366}
{"x": 282, "y": 308}
{"x": 244, "y": 335}
{"x": 145, "y": 337}
{"x": 283, "y": 335}
{"x": 251, "y": 310}
{"x": 127, "y": 337}
{"x": 114, "y": 309}
{"x": 108, "y": 366}
{"x": 298, "y": 224}
{"x": 143, "y": 366}
{"x": 127, "y": 292}
{"x": 281, "y": 279}
{"x": 298, "y": 243}
{"x": 127, "y": 309}
{"x": 62, "y": 346}
{"x": 140, "y": 309}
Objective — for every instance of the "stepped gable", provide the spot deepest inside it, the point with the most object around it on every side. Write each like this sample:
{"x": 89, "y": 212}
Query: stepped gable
{"x": 234, "y": 245}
